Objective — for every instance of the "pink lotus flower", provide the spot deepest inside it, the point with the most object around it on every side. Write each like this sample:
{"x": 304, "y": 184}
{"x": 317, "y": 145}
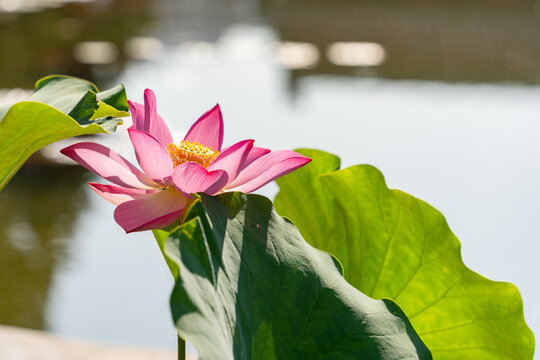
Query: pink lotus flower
{"x": 156, "y": 196}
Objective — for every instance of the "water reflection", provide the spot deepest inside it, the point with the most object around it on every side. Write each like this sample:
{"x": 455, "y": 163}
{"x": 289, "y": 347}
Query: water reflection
{"x": 37, "y": 214}
{"x": 362, "y": 54}
{"x": 69, "y": 39}
{"x": 297, "y": 55}
{"x": 95, "y": 52}
{"x": 453, "y": 40}
{"x": 143, "y": 48}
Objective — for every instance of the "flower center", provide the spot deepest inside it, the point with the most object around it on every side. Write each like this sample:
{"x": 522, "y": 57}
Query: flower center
{"x": 191, "y": 151}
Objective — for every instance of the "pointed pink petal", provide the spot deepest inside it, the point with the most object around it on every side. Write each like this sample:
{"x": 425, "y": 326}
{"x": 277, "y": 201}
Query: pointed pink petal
{"x": 152, "y": 157}
{"x": 208, "y": 130}
{"x": 137, "y": 114}
{"x": 254, "y": 154}
{"x": 153, "y": 211}
{"x": 267, "y": 168}
{"x": 108, "y": 164}
{"x": 232, "y": 159}
{"x": 149, "y": 109}
{"x": 158, "y": 127}
{"x": 190, "y": 178}
{"x": 117, "y": 195}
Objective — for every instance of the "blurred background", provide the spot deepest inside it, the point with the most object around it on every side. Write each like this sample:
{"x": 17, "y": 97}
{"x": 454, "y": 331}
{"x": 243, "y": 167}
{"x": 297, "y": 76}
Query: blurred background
{"x": 441, "y": 96}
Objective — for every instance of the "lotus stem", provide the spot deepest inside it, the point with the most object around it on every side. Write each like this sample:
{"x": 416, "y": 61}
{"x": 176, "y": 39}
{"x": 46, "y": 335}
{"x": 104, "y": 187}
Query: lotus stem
{"x": 181, "y": 348}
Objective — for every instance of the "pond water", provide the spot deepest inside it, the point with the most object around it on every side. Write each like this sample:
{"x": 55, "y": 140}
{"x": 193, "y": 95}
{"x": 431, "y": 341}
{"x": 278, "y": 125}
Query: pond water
{"x": 459, "y": 135}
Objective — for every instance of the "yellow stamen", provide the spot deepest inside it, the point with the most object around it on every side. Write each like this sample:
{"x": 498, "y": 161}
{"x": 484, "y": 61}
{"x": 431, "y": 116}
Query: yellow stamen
{"x": 191, "y": 151}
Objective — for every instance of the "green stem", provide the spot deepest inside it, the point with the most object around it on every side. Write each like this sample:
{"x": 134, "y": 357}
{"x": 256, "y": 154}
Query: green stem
{"x": 181, "y": 348}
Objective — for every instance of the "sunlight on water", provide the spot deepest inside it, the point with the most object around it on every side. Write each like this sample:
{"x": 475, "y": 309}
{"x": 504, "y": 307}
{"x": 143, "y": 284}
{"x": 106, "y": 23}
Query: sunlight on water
{"x": 95, "y": 52}
{"x": 297, "y": 55}
{"x": 143, "y": 48}
{"x": 22, "y": 236}
{"x": 356, "y": 54}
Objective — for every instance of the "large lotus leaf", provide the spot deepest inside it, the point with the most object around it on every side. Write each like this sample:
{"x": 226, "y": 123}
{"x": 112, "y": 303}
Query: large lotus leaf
{"x": 248, "y": 286}
{"x": 393, "y": 245}
{"x": 59, "y": 108}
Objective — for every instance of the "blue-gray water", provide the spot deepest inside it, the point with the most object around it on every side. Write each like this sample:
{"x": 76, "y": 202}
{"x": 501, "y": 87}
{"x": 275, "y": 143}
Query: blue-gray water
{"x": 470, "y": 149}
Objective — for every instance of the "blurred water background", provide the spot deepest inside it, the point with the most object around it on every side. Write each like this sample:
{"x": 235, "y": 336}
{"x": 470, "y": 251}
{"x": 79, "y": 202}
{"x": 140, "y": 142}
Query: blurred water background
{"x": 441, "y": 96}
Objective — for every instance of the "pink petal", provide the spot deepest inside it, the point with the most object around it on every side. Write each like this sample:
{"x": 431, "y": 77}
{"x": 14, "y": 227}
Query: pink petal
{"x": 137, "y": 114}
{"x": 254, "y": 154}
{"x": 208, "y": 130}
{"x": 108, "y": 164}
{"x": 267, "y": 168}
{"x": 149, "y": 109}
{"x": 232, "y": 159}
{"x": 153, "y": 211}
{"x": 117, "y": 195}
{"x": 157, "y": 126}
{"x": 152, "y": 157}
{"x": 160, "y": 222}
{"x": 160, "y": 131}
{"x": 190, "y": 178}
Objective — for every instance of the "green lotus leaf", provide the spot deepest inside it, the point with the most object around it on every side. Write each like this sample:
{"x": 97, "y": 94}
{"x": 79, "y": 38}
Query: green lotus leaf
{"x": 248, "y": 286}
{"x": 393, "y": 245}
{"x": 59, "y": 108}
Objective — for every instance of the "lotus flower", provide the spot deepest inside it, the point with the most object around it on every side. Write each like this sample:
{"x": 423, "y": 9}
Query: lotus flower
{"x": 159, "y": 194}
